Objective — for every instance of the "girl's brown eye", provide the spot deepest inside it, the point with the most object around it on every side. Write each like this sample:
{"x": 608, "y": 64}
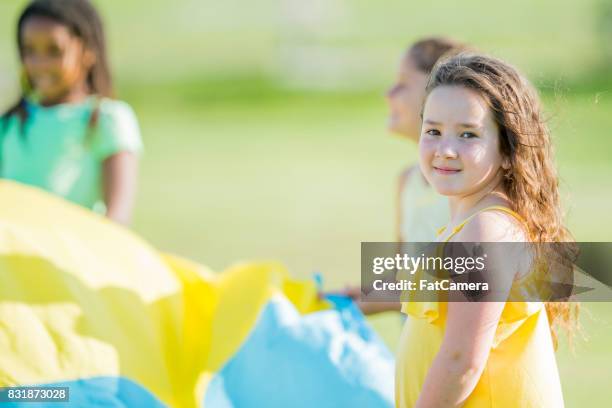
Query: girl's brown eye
{"x": 468, "y": 135}
{"x": 432, "y": 132}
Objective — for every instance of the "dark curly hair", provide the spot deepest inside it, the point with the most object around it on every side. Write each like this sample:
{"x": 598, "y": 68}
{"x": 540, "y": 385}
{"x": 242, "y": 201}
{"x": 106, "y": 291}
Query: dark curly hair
{"x": 83, "y": 21}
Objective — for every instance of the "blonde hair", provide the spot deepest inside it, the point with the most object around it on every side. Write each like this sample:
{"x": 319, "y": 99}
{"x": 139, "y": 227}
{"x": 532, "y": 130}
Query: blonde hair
{"x": 531, "y": 181}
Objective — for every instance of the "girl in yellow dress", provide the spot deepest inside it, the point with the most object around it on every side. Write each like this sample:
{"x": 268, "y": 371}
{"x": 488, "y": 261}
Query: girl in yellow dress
{"x": 484, "y": 146}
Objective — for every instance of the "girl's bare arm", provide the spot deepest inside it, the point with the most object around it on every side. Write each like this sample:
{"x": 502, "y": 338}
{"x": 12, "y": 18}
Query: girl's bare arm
{"x": 120, "y": 174}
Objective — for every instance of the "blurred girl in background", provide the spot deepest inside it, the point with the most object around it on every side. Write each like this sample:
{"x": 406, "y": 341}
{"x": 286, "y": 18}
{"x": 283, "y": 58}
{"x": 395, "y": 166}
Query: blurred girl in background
{"x": 421, "y": 211}
{"x": 66, "y": 134}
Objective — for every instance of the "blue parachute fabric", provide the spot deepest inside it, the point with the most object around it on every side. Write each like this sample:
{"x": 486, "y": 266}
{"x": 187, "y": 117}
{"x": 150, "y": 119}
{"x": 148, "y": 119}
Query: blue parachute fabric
{"x": 328, "y": 358}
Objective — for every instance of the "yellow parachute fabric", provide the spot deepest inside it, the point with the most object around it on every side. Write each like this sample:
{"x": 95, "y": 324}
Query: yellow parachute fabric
{"x": 82, "y": 297}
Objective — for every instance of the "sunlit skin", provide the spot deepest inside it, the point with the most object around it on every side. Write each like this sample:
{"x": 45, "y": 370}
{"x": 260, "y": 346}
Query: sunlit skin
{"x": 405, "y": 98}
{"x": 55, "y": 61}
{"x": 459, "y": 147}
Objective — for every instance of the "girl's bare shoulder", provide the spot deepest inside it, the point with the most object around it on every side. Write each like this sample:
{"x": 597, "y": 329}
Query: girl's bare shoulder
{"x": 492, "y": 226}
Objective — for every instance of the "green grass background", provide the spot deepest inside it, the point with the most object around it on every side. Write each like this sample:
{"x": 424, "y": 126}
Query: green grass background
{"x": 264, "y": 125}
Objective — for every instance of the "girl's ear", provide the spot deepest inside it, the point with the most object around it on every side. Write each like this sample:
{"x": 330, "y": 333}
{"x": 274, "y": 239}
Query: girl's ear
{"x": 506, "y": 163}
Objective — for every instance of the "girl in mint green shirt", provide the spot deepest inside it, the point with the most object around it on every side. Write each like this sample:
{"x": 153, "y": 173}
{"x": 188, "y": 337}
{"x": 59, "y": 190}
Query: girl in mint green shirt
{"x": 66, "y": 135}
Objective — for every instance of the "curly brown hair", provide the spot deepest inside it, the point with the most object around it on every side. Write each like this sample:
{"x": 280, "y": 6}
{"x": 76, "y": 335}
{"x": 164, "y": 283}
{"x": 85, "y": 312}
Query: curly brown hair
{"x": 531, "y": 182}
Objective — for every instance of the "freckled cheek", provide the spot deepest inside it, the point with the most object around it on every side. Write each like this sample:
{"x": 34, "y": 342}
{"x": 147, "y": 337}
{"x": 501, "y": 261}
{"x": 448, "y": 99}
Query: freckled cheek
{"x": 427, "y": 149}
{"x": 477, "y": 155}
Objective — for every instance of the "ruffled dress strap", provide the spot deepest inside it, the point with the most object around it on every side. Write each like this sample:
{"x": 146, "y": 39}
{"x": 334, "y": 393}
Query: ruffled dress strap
{"x": 490, "y": 208}
{"x": 514, "y": 312}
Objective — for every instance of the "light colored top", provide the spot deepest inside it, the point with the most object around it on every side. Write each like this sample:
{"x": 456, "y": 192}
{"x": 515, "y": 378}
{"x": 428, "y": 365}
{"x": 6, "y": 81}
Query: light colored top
{"x": 521, "y": 370}
{"x": 422, "y": 209}
{"x": 58, "y": 151}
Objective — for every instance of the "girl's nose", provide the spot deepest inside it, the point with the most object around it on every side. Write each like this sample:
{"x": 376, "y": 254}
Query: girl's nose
{"x": 446, "y": 149}
{"x": 391, "y": 91}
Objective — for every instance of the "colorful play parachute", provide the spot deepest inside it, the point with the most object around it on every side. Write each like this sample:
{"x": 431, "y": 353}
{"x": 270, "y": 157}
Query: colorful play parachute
{"x": 88, "y": 305}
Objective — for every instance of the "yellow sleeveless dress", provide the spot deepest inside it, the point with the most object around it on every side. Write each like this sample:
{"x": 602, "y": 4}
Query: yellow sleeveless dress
{"x": 521, "y": 371}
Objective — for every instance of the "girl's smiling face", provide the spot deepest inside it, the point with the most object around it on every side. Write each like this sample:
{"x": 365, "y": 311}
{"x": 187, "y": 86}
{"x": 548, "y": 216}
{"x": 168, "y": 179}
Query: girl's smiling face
{"x": 55, "y": 60}
{"x": 459, "y": 146}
